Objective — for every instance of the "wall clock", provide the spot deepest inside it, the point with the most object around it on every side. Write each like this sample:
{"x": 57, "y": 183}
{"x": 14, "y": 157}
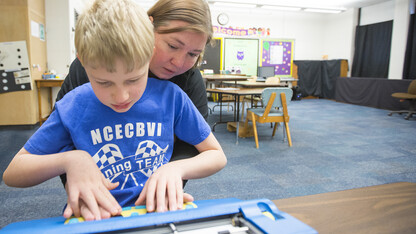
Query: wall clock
{"x": 223, "y": 19}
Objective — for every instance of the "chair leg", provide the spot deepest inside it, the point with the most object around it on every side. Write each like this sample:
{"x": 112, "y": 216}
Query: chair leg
{"x": 274, "y": 129}
{"x": 253, "y": 118}
{"x": 289, "y": 139}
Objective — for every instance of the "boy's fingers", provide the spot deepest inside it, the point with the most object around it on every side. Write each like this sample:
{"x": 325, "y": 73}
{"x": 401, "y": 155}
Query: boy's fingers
{"x": 73, "y": 202}
{"x": 187, "y": 197}
{"x": 179, "y": 194}
{"x": 68, "y": 211}
{"x": 104, "y": 213}
{"x": 106, "y": 200}
{"x": 108, "y": 184}
{"x": 161, "y": 195}
{"x": 92, "y": 205}
{"x": 172, "y": 195}
{"x": 86, "y": 213}
{"x": 142, "y": 197}
{"x": 150, "y": 195}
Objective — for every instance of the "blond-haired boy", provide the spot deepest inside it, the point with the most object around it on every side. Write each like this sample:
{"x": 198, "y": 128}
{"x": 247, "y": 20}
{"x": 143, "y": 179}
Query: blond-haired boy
{"x": 117, "y": 132}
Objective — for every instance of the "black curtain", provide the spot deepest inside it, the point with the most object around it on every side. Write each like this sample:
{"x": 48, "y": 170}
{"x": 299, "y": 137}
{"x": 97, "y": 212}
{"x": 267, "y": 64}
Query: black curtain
{"x": 317, "y": 78}
{"x": 409, "y": 68}
{"x": 372, "y": 50}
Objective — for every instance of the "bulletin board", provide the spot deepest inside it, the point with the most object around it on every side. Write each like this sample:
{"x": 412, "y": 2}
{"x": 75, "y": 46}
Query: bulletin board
{"x": 212, "y": 58}
{"x": 242, "y": 55}
{"x": 277, "y": 53}
{"x": 14, "y": 67}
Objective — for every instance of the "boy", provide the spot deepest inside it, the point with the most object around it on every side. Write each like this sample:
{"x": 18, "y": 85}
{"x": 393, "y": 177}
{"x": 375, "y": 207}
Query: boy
{"x": 117, "y": 132}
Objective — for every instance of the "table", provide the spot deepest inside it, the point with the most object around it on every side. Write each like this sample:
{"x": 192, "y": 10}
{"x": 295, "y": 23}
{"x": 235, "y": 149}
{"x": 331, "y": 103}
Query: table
{"x": 236, "y": 93}
{"x": 288, "y": 80}
{"x": 216, "y": 77}
{"x": 387, "y": 208}
{"x": 221, "y": 78}
{"x": 248, "y": 84}
{"x": 46, "y": 83}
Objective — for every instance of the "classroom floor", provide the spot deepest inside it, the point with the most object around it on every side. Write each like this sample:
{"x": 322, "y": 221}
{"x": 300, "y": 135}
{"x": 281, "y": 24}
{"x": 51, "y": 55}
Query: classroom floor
{"x": 336, "y": 146}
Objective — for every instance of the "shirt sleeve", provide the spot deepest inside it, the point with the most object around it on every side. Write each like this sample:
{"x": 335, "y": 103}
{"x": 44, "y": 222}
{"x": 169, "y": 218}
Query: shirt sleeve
{"x": 197, "y": 92}
{"x": 76, "y": 77}
{"x": 190, "y": 126}
{"x": 51, "y": 137}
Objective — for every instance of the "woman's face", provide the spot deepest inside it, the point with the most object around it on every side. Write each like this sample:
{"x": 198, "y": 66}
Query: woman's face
{"x": 175, "y": 53}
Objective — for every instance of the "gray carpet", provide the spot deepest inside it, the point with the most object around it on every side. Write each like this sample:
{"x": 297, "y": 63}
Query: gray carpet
{"x": 336, "y": 146}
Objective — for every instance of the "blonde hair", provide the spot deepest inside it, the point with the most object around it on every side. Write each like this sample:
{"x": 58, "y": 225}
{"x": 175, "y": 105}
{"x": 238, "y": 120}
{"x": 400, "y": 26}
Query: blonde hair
{"x": 194, "y": 12}
{"x": 114, "y": 29}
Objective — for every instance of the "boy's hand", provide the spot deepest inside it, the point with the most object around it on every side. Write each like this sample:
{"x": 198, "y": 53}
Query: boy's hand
{"x": 86, "y": 182}
{"x": 85, "y": 212}
{"x": 163, "y": 191}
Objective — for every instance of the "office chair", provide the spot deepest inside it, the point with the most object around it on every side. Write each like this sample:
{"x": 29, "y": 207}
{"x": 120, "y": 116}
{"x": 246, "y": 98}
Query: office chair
{"x": 275, "y": 111}
{"x": 409, "y": 96}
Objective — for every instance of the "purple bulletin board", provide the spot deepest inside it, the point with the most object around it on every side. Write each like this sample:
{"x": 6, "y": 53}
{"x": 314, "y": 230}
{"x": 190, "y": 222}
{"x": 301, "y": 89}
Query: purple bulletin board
{"x": 277, "y": 53}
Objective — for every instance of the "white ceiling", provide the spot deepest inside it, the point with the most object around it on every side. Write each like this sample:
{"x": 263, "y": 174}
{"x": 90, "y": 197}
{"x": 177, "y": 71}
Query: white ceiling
{"x": 322, "y": 4}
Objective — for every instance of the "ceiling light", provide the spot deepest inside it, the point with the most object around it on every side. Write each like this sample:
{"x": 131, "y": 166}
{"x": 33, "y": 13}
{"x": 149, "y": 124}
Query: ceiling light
{"x": 323, "y": 10}
{"x": 281, "y": 8}
{"x": 234, "y": 5}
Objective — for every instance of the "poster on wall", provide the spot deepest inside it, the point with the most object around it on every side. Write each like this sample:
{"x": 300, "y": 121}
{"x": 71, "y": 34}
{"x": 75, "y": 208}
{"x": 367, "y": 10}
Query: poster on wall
{"x": 14, "y": 67}
{"x": 277, "y": 53}
{"x": 241, "y": 55}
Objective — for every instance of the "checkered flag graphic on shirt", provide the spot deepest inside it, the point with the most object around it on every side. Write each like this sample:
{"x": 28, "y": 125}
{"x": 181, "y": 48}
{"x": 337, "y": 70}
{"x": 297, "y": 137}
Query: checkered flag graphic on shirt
{"x": 148, "y": 149}
{"x": 107, "y": 155}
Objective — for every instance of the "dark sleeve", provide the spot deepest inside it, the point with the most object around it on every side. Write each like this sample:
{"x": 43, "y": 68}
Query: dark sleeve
{"x": 196, "y": 91}
{"x": 76, "y": 77}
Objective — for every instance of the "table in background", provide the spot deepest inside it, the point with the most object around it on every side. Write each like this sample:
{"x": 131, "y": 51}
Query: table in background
{"x": 236, "y": 93}
{"x": 46, "y": 83}
{"x": 249, "y": 84}
{"x": 221, "y": 78}
{"x": 388, "y": 208}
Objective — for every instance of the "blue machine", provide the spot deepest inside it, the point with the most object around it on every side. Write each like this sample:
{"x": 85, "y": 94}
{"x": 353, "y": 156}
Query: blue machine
{"x": 207, "y": 216}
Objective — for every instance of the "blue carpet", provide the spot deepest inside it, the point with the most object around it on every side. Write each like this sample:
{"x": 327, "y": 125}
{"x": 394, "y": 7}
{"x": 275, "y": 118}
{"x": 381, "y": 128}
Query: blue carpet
{"x": 336, "y": 146}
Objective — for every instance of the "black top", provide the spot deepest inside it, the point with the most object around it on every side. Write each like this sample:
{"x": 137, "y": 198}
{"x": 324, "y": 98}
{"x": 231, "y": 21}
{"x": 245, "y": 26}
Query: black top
{"x": 190, "y": 82}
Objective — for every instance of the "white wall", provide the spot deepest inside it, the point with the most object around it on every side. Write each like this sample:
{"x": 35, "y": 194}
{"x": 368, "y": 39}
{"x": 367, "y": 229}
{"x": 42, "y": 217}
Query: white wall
{"x": 399, "y": 39}
{"x": 58, "y": 34}
{"x": 339, "y": 36}
{"x": 377, "y": 13}
{"x": 305, "y": 28}
{"x": 318, "y": 34}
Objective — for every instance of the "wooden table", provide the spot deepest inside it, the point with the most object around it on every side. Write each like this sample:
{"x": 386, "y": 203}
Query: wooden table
{"x": 388, "y": 208}
{"x": 46, "y": 83}
{"x": 248, "y": 84}
{"x": 217, "y": 77}
{"x": 221, "y": 78}
{"x": 236, "y": 93}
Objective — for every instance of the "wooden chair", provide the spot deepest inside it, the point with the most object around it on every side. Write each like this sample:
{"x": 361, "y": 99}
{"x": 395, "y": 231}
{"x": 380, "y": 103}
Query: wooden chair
{"x": 275, "y": 111}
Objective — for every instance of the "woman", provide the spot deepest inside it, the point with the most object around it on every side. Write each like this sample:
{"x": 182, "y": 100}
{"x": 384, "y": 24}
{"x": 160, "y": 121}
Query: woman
{"x": 182, "y": 29}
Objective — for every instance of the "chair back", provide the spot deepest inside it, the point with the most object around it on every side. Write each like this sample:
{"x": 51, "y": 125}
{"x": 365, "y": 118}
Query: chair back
{"x": 267, "y": 92}
{"x": 412, "y": 87}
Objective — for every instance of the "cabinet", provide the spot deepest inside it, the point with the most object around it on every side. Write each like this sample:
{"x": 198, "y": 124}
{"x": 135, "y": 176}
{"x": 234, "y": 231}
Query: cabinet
{"x": 21, "y": 107}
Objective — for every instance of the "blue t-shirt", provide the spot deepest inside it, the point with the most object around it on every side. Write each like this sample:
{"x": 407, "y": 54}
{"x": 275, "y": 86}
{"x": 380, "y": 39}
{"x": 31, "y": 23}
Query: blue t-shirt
{"x": 127, "y": 147}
